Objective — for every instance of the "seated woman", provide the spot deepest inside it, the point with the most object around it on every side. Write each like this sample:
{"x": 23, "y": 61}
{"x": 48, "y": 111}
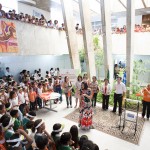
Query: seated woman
{"x": 85, "y": 118}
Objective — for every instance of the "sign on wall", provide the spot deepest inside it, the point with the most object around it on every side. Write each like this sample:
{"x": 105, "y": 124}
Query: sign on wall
{"x": 8, "y": 39}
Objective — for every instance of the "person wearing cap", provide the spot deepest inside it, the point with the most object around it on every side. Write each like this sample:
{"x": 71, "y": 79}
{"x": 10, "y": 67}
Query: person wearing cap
{"x": 146, "y": 101}
{"x": 57, "y": 129}
{"x": 120, "y": 90}
{"x": 15, "y": 141}
{"x": 65, "y": 141}
{"x": 106, "y": 90}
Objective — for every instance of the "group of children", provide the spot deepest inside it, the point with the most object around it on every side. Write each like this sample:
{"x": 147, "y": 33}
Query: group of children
{"x": 18, "y": 128}
{"x": 27, "y": 134}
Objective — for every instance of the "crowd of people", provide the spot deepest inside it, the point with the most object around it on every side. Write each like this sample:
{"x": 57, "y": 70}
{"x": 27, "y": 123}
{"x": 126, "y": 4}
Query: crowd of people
{"x": 19, "y": 102}
{"x": 11, "y": 14}
{"x": 123, "y": 30}
{"x": 138, "y": 28}
{"x": 42, "y": 21}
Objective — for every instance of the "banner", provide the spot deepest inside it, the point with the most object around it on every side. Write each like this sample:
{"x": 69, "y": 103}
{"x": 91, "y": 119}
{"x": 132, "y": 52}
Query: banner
{"x": 8, "y": 39}
{"x": 71, "y": 73}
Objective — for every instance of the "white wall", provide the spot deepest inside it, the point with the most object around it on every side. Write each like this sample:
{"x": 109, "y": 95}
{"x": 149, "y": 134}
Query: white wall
{"x": 31, "y": 10}
{"x": 45, "y": 62}
{"x": 141, "y": 43}
{"x": 9, "y": 5}
{"x": 122, "y": 21}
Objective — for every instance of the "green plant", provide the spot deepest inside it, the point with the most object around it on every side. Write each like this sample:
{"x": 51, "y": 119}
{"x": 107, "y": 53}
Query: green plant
{"x": 82, "y": 55}
{"x": 99, "y": 55}
{"x": 139, "y": 69}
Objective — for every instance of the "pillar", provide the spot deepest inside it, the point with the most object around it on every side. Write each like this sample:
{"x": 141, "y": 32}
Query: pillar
{"x": 87, "y": 37}
{"x": 130, "y": 40}
{"x": 107, "y": 38}
{"x": 67, "y": 11}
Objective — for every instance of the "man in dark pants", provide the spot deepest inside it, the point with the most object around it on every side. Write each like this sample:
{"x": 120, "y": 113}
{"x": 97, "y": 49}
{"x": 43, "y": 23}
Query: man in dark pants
{"x": 95, "y": 89}
{"x": 120, "y": 90}
{"x": 146, "y": 101}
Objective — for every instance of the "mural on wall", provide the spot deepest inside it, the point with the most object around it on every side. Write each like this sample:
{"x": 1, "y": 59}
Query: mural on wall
{"x": 8, "y": 39}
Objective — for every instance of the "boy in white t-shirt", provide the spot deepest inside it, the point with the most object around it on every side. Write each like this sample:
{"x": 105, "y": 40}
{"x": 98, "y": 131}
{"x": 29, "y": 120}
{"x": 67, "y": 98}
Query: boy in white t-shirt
{"x": 39, "y": 92}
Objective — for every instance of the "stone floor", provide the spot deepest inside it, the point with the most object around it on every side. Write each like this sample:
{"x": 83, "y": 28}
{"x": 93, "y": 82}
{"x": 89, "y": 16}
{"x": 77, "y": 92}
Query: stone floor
{"x": 104, "y": 141}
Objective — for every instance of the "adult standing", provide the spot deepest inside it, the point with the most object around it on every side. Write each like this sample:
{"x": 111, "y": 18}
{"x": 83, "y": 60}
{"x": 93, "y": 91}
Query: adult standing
{"x": 86, "y": 79}
{"x": 78, "y": 88}
{"x": 67, "y": 86}
{"x": 95, "y": 89}
{"x": 57, "y": 87}
{"x": 120, "y": 90}
{"x": 106, "y": 90}
{"x": 146, "y": 101}
{"x": 85, "y": 118}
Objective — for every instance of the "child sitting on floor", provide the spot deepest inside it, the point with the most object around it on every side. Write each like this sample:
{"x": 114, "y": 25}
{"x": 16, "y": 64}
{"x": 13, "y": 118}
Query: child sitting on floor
{"x": 17, "y": 124}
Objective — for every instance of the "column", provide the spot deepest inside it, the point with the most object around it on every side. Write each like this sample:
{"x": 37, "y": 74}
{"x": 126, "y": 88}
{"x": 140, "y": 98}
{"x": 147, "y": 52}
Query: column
{"x": 107, "y": 39}
{"x": 87, "y": 37}
{"x": 67, "y": 11}
{"x": 130, "y": 40}
{"x": 44, "y": 5}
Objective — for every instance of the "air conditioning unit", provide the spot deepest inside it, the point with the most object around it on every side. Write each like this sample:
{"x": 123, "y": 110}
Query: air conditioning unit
{"x": 28, "y": 2}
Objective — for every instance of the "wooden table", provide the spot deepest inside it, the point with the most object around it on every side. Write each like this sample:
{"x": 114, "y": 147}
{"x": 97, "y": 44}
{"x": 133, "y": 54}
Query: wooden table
{"x": 51, "y": 97}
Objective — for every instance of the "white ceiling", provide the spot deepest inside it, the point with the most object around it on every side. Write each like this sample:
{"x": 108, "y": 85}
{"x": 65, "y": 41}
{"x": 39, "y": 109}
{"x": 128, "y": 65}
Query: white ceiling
{"x": 116, "y": 5}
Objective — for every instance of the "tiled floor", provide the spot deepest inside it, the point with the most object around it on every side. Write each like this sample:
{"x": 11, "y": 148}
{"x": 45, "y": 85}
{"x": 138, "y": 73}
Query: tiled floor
{"x": 104, "y": 141}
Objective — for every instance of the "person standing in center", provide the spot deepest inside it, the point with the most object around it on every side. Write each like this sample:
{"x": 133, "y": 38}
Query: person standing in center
{"x": 86, "y": 112}
{"x": 120, "y": 90}
{"x": 106, "y": 90}
{"x": 67, "y": 86}
{"x": 95, "y": 89}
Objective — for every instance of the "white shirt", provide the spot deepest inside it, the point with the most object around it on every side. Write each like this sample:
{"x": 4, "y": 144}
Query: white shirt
{"x": 39, "y": 91}
{"x": 120, "y": 88}
{"x": 7, "y": 73}
{"x": 14, "y": 101}
{"x": 21, "y": 98}
{"x": 78, "y": 85}
{"x": 108, "y": 89}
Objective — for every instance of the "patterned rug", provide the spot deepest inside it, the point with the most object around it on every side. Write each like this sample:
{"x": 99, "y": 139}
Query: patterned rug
{"x": 107, "y": 122}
